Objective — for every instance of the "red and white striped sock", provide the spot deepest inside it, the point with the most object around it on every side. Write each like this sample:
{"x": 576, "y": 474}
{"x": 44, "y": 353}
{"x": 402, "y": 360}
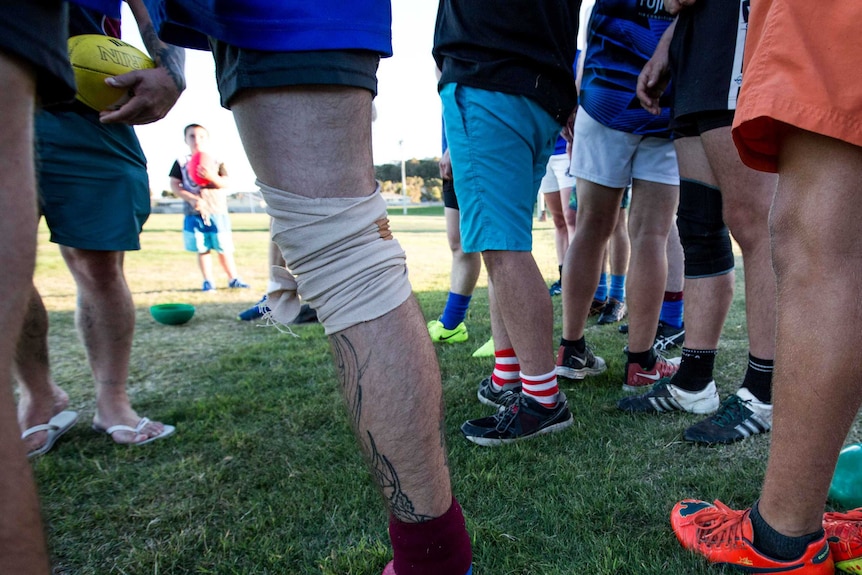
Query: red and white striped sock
{"x": 542, "y": 388}
{"x": 507, "y": 370}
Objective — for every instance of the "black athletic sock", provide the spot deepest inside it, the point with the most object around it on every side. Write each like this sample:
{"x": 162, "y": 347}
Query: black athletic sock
{"x": 646, "y": 359}
{"x": 769, "y": 541}
{"x": 695, "y": 371}
{"x": 758, "y": 378}
{"x": 580, "y": 345}
{"x": 561, "y": 274}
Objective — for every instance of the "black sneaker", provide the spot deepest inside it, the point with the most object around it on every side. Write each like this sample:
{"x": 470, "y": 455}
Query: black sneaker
{"x": 556, "y": 288}
{"x": 664, "y": 397}
{"x": 597, "y": 306}
{"x": 667, "y": 336}
{"x": 741, "y": 415}
{"x": 571, "y": 365}
{"x": 488, "y": 396}
{"x": 613, "y": 312}
{"x": 521, "y": 419}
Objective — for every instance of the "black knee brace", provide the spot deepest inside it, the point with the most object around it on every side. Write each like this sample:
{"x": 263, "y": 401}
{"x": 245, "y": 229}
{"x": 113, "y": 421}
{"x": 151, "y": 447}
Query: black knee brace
{"x": 704, "y": 237}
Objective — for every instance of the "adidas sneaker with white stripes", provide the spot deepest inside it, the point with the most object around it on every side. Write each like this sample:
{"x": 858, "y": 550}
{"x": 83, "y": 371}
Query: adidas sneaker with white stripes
{"x": 664, "y": 397}
{"x": 741, "y": 415}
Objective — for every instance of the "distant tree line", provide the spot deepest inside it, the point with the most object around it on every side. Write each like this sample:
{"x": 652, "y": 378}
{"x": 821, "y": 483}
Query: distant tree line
{"x": 423, "y": 179}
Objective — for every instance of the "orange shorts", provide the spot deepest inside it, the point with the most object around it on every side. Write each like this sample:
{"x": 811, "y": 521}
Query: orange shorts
{"x": 802, "y": 68}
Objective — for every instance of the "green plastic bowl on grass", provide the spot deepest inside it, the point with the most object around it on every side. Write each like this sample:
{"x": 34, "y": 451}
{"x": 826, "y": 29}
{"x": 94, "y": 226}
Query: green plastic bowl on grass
{"x": 172, "y": 313}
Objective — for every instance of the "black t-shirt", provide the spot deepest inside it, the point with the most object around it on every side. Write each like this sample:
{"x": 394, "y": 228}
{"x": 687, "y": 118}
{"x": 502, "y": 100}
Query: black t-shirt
{"x": 522, "y": 47}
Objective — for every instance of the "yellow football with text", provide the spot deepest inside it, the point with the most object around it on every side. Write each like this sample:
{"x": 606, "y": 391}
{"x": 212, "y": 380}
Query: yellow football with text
{"x": 95, "y": 57}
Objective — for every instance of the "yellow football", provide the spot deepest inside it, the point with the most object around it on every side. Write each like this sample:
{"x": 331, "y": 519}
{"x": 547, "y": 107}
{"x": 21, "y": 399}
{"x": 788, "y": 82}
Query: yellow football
{"x": 95, "y": 57}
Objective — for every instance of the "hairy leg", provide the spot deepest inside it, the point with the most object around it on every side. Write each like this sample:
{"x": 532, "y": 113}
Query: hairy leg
{"x": 105, "y": 317}
{"x": 40, "y": 399}
{"x": 707, "y": 299}
{"x": 675, "y": 261}
{"x": 649, "y": 224}
{"x": 22, "y": 543}
{"x": 524, "y": 306}
{"x": 598, "y": 210}
{"x": 498, "y": 327}
{"x": 465, "y": 267}
{"x": 405, "y": 451}
{"x": 619, "y": 249}
{"x": 817, "y": 254}
{"x": 288, "y": 133}
{"x": 747, "y": 195}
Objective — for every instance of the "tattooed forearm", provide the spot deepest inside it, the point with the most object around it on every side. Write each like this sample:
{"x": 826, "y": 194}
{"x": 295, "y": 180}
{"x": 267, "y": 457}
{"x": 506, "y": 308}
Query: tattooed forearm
{"x": 171, "y": 58}
{"x": 386, "y": 477}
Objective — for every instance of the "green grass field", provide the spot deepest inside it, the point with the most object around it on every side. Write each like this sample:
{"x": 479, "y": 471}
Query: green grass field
{"x": 263, "y": 476}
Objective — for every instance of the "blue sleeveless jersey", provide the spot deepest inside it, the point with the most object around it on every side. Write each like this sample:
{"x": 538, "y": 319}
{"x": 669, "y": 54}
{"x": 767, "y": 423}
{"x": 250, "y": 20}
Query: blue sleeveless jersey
{"x": 276, "y": 25}
{"x": 621, "y": 37}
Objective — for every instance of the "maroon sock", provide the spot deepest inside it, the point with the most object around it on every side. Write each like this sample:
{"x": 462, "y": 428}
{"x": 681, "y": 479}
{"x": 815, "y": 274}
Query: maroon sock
{"x": 437, "y": 547}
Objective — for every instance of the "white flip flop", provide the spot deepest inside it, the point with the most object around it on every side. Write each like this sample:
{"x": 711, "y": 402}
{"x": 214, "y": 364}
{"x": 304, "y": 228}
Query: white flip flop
{"x": 169, "y": 430}
{"x": 57, "y": 426}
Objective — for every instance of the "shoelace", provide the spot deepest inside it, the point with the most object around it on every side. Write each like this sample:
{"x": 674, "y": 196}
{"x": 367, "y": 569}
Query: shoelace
{"x": 507, "y": 414}
{"x": 731, "y": 410}
{"x": 721, "y": 526}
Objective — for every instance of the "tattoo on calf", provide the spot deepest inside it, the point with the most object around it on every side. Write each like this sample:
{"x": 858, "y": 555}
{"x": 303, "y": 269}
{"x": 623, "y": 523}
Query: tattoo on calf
{"x": 386, "y": 477}
{"x": 350, "y": 372}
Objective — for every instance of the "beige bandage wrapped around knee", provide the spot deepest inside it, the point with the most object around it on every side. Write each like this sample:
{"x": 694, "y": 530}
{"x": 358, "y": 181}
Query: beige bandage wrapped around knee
{"x": 344, "y": 260}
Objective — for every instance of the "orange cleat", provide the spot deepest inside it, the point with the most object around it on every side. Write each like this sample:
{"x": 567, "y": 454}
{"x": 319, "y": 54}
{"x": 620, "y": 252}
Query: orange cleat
{"x": 844, "y": 533}
{"x": 724, "y": 536}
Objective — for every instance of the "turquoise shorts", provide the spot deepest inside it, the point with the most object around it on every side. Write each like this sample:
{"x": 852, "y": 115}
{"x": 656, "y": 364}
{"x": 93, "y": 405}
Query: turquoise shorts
{"x": 500, "y": 145}
{"x": 201, "y": 238}
{"x": 93, "y": 185}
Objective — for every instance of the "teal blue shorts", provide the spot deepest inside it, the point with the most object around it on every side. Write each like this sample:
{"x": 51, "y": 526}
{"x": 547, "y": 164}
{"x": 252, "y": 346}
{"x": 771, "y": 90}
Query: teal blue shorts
{"x": 93, "y": 186}
{"x": 500, "y": 145}
{"x": 201, "y": 238}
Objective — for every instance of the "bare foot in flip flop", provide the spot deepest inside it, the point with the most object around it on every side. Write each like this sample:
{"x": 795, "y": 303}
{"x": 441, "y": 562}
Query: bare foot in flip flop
{"x": 39, "y": 429}
{"x": 132, "y": 429}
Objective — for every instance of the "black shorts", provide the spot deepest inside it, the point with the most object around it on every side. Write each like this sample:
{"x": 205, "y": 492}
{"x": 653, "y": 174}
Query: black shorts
{"x": 706, "y": 56}
{"x": 450, "y": 200}
{"x": 240, "y": 69}
{"x": 693, "y": 125}
{"x": 36, "y": 32}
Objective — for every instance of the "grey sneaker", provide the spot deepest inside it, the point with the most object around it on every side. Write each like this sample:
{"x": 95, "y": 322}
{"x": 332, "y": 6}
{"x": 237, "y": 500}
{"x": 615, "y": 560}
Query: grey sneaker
{"x": 572, "y": 365}
{"x": 741, "y": 415}
{"x": 488, "y": 396}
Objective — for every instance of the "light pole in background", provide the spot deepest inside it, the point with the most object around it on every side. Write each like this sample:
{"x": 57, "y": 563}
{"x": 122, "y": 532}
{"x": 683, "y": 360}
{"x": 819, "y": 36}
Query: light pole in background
{"x": 403, "y": 178}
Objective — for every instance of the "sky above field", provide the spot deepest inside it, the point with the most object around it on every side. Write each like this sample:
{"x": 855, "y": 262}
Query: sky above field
{"x": 408, "y": 109}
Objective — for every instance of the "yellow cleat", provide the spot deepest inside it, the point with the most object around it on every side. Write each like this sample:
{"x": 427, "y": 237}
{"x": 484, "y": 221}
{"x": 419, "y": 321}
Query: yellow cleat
{"x": 487, "y": 349}
{"x": 440, "y": 334}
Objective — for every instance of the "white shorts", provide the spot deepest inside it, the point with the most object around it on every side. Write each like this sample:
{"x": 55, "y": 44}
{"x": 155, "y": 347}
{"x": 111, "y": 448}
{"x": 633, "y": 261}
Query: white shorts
{"x": 613, "y": 158}
{"x": 557, "y": 175}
